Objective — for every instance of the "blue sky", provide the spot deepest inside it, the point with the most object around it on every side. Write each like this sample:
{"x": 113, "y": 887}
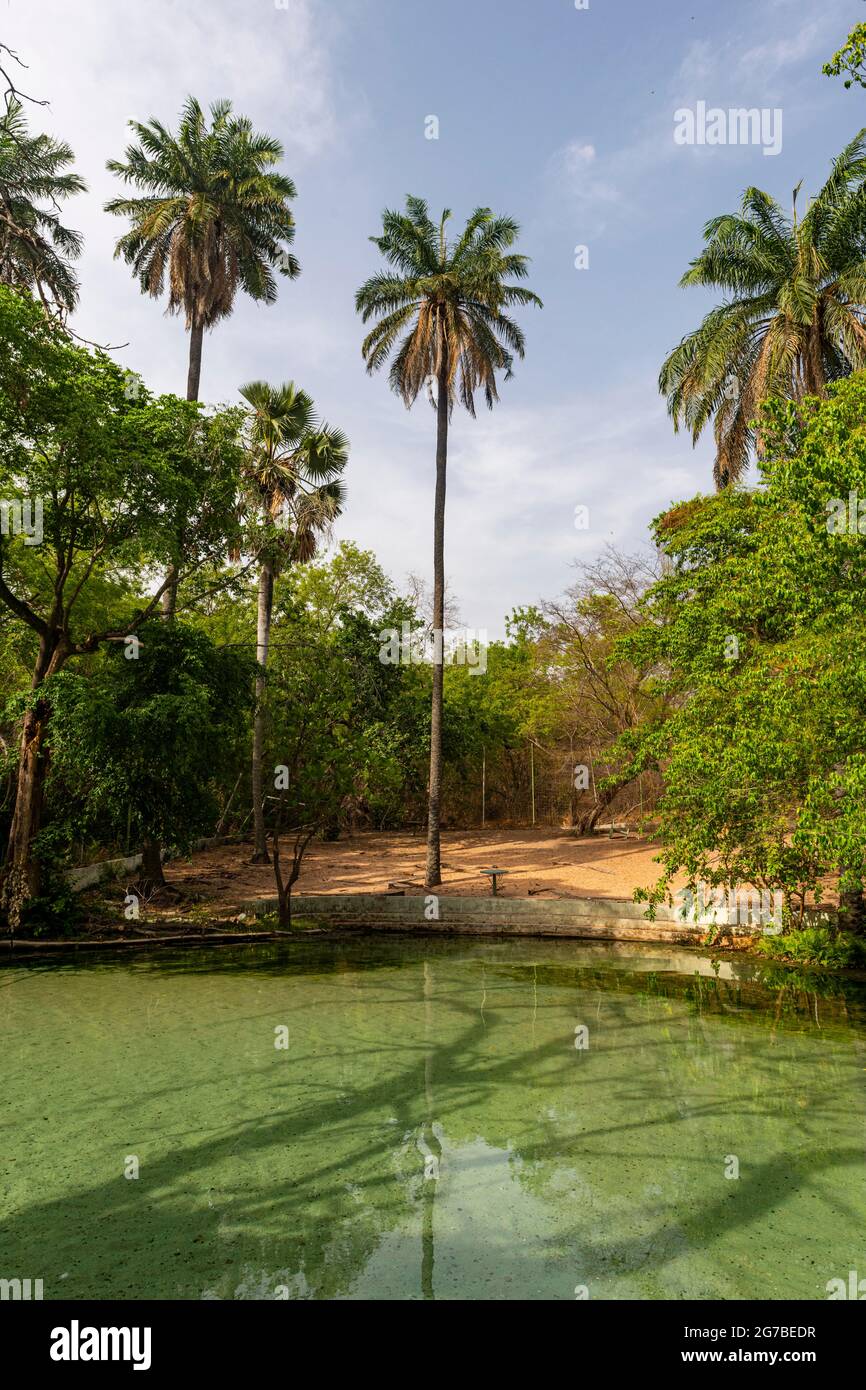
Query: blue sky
{"x": 564, "y": 119}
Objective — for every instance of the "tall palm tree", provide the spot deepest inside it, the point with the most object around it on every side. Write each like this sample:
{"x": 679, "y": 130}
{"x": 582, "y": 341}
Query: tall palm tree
{"x": 439, "y": 311}
{"x": 294, "y": 471}
{"x": 793, "y": 318}
{"x": 214, "y": 216}
{"x": 36, "y": 249}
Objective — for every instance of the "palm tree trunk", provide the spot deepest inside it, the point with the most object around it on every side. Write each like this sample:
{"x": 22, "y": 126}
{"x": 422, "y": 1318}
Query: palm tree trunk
{"x": 263, "y": 636}
{"x": 193, "y": 380}
{"x": 816, "y": 382}
{"x": 152, "y": 863}
{"x": 434, "y": 866}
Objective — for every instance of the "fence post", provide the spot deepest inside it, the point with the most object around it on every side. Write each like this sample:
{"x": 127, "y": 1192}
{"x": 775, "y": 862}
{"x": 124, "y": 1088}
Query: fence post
{"x": 483, "y": 783}
{"x": 532, "y": 777}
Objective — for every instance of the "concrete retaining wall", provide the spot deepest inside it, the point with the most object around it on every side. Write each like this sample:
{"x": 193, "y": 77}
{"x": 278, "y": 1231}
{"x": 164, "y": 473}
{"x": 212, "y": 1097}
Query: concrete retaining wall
{"x": 605, "y": 918}
{"x": 108, "y": 868}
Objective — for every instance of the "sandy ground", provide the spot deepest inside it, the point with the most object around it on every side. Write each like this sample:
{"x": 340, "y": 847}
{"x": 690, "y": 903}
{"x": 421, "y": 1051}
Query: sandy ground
{"x": 541, "y": 863}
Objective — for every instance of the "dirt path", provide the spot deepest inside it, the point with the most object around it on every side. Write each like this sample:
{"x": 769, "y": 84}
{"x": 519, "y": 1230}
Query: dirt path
{"x": 540, "y": 863}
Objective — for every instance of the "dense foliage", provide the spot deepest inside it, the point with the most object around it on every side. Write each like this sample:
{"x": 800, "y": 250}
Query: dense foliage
{"x": 178, "y": 659}
{"x": 756, "y": 637}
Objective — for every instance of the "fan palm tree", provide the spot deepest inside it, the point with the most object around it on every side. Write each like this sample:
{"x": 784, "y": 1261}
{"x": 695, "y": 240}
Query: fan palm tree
{"x": 439, "y": 317}
{"x": 294, "y": 468}
{"x": 793, "y": 319}
{"x": 36, "y": 249}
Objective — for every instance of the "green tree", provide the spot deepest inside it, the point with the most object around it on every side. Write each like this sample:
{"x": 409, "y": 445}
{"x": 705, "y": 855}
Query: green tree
{"x": 36, "y": 248}
{"x": 793, "y": 318}
{"x": 595, "y": 693}
{"x": 351, "y": 579}
{"x": 756, "y": 638}
{"x": 390, "y": 713}
{"x": 439, "y": 312}
{"x": 96, "y": 487}
{"x": 348, "y": 605}
{"x": 850, "y": 58}
{"x": 316, "y": 749}
{"x": 145, "y": 740}
{"x": 293, "y": 474}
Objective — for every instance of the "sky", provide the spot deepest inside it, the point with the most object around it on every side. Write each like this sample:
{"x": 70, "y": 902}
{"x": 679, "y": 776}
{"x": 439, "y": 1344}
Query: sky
{"x": 561, "y": 117}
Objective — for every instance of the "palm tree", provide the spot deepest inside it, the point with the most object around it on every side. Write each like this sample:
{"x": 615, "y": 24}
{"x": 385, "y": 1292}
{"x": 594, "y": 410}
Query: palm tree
{"x": 294, "y": 482}
{"x": 439, "y": 311}
{"x": 793, "y": 319}
{"x": 214, "y": 217}
{"x": 35, "y": 247}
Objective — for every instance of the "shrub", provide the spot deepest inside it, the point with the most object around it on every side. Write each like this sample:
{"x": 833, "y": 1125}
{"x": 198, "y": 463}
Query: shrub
{"x": 820, "y": 944}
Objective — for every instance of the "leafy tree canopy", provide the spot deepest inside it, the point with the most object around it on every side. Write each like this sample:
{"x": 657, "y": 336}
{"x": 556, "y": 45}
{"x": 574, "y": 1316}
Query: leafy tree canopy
{"x": 117, "y": 481}
{"x": 757, "y": 638}
{"x": 144, "y": 739}
{"x": 850, "y": 58}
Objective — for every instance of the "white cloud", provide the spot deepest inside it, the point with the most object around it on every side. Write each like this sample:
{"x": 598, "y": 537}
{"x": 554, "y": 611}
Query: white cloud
{"x": 572, "y": 173}
{"x": 107, "y": 61}
{"x": 767, "y": 59}
{"x": 699, "y": 64}
{"x": 576, "y": 155}
{"x": 722, "y": 74}
{"x": 515, "y": 477}
{"x": 104, "y": 61}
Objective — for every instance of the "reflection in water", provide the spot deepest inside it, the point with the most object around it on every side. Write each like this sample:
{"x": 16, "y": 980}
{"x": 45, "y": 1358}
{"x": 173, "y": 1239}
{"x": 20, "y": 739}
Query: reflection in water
{"x": 432, "y": 1149}
{"x": 432, "y": 1131}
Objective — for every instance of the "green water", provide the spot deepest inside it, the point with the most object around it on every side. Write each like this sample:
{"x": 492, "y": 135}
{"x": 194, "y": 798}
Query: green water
{"x": 431, "y": 1130}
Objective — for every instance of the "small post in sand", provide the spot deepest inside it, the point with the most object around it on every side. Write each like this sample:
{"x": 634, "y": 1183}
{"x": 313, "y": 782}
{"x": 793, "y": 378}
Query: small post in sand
{"x": 493, "y": 875}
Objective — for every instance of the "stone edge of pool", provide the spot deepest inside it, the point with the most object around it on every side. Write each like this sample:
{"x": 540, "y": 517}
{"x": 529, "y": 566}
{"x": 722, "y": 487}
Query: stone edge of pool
{"x": 600, "y": 918}
{"x": 333, "y": 914}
